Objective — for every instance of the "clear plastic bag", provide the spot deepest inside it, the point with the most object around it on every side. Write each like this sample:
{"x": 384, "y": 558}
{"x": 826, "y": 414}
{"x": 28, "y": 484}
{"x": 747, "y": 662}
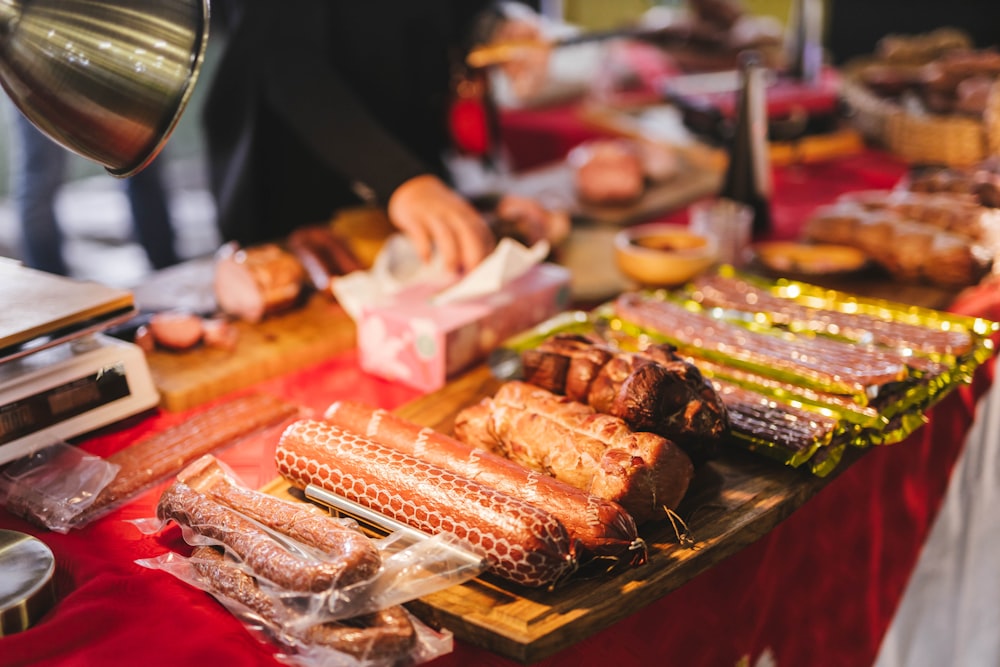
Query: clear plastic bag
{"x": 54, "y": 485}
{"x": 304, "y": 614}
{"x": 299, "y": 646}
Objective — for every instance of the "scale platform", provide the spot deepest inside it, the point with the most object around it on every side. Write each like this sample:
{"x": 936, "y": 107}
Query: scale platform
{"x": 60, "y": 377}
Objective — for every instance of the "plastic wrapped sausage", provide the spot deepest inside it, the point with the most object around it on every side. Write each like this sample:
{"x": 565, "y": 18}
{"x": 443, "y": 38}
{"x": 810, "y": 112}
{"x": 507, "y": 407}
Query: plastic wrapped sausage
{"x": 644, "y": 472}
{"x": 602, "y": 527}
{"x": 520, "y": 542}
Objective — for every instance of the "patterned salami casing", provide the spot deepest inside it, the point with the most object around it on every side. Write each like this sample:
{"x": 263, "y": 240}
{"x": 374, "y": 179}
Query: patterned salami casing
{"x": 521, "y": 543}
{"x": 597, "y": 527}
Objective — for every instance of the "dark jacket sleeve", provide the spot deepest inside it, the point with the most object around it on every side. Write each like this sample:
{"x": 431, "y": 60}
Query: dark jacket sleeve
{"x": 288, "y": 130}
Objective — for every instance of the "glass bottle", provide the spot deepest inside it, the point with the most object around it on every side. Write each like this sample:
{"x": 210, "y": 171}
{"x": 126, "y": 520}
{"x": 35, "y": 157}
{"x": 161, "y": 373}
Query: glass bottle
{"x": 748, "y": 174}
{"x": 803, "y": 41}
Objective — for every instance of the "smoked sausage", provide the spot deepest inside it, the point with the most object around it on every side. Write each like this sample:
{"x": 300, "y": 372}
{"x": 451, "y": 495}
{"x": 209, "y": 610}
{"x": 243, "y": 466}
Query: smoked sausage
{"x": 602, "y": 528}
{"x": 521, "y": 543}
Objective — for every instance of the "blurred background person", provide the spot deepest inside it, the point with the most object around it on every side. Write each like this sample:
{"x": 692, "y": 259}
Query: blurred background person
{"x": 317, "y": 106}
{"x": 38, "y": 171}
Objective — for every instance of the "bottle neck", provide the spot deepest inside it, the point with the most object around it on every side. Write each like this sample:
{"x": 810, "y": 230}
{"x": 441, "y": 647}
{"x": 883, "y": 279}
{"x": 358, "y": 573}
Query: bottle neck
{"x": 754, "y": 113}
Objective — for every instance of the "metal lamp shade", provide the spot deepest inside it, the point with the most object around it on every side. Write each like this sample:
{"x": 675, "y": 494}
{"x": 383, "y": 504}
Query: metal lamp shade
{"x": 107, "y": 79}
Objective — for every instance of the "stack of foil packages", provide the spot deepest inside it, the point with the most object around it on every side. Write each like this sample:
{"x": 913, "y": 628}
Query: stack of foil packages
{"x": 804, "y": 372}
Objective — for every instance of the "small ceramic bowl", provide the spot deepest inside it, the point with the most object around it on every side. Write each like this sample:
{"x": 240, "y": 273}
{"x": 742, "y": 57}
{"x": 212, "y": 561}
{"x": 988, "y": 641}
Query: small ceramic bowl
{"x": 663, "y": 254}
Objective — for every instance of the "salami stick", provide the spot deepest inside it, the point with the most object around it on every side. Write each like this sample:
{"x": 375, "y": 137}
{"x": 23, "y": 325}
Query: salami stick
{"x": 164, "y": 454}
{"x": 834, "y": 365}
{"x": 602, "y": 527}
{"x": 384, "y": 635}
{"x": 520, "y": 542}
{"x": 299, "y": 521}
{"x": 251, "y": 543}
{"x": 726, "y": 292}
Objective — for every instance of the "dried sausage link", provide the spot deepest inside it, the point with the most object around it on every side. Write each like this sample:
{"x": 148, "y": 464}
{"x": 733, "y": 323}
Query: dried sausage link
{"x": 383, "y": 635}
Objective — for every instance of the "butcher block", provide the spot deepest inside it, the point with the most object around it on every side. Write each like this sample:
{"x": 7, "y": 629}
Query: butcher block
{"x": 278, "y": 345}
{"x": 315, "y": 330}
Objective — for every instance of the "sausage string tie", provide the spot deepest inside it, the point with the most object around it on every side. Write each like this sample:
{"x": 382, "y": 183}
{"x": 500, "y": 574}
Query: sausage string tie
{"x": 681, "y": 530}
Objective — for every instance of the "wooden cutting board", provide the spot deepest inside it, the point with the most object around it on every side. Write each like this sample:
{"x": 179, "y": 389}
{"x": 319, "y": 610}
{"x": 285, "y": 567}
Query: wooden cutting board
{"x": 306, "y": 335}
{"x": 553, "y": 186}
{"x": 278, "y": 345}
{"x": 733, "y": 501}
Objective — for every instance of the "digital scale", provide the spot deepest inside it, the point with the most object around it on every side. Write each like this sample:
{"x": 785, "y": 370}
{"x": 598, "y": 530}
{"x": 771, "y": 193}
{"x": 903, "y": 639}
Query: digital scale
{"x": 60, "y": 376}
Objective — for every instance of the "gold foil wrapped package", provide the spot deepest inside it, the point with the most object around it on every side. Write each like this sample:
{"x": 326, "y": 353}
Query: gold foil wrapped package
{"x": 805, "y": 372}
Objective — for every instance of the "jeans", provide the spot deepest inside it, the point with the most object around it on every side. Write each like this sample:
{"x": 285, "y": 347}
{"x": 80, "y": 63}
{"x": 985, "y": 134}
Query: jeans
{"x": 38, "y": 171}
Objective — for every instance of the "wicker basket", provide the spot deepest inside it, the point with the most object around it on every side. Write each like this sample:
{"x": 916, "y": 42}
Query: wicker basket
{"x": 922, "y": 138}
{"x": 955, "y": 141}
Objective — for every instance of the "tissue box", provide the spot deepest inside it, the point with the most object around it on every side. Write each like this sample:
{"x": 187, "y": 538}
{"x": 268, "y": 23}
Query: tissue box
{"x": 422, "y": 344}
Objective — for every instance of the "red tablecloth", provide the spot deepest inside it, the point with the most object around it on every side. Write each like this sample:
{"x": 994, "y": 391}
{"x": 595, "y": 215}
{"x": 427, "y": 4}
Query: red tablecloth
{"x": 820, "y": 589}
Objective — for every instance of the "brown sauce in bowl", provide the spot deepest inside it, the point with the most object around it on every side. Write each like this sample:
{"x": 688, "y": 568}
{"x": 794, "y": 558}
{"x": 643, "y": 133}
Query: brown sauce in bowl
{"x": 668, "y": 243}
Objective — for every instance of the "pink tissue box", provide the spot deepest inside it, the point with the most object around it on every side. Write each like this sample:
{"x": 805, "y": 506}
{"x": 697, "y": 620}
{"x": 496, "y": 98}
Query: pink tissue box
{"x": 422, "y": 345}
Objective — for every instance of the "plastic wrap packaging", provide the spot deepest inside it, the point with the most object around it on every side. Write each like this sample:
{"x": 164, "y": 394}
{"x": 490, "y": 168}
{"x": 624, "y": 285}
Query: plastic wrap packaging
{"x": 74, "y": 488}
{"x": 822, "y": 364}
{"x": 823, "y": 415}
{"x": 52, "y": 486}
{"x": 941, "y": 349}
{"x": 801, "y": 307}
{"x": 312, "y": 583}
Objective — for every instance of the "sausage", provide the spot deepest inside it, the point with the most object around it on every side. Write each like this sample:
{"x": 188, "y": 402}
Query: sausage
{"x": 380, "y": 636}
{"x": 163, "y": 454}
{"x": 598, "y": 453}
{"x": 220, "y": 333}
{"x": 253, "y": 283}
{"x": 144, "y": 339}
{"x": 300, "y": 521}
{"x": 176, "y": 330}
{"x": 718, "y": 291}
{"x": 760, "y": 418}
{"x": 654, "y": 390}
{"x": 251, "y": 543}
{"x": 602, "y": 528}
{"x": 385, "y": 635}
{"x": 837, "y": 366}
{"x": 322, "y": 255}
{"x": 521, "y": 543}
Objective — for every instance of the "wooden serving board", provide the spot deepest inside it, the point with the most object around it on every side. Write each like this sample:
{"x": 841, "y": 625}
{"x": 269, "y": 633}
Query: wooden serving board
{"x": 732, "y": 502}
{"x": 294, "y": 340}
{"x": 553, "y": 186}
{"x": 310, "y": 333}
{"x": 316, "y": 330}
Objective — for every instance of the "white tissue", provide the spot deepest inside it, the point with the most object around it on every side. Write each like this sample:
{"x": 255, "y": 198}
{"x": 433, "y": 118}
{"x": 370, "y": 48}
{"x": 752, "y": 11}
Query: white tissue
{"x": 398, "y": 266}
{"x": 509, "y": 261}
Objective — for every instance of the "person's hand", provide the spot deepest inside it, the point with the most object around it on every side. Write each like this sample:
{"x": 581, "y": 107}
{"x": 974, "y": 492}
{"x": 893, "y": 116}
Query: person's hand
{"x": 435, "y": 217}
